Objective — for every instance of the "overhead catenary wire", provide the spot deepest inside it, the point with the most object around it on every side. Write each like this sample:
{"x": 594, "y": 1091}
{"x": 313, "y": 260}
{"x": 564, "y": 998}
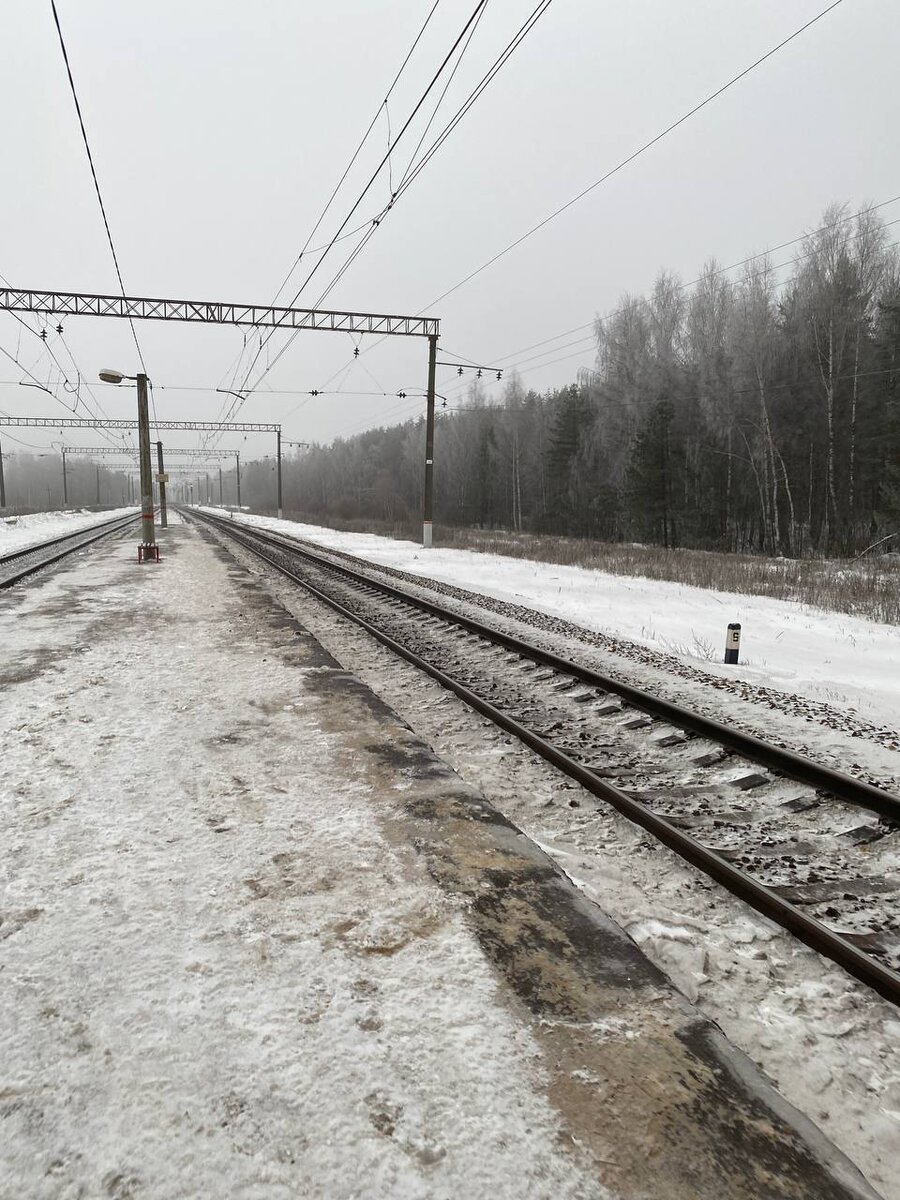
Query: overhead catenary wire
{"x": 512, "y": 362}
{"x": 631, "y": 158}
{"x": 706, "y": 275}
{"x": 375, "y": 174}
{"x": 411, "y": 174}
{"x": 353, "y": 160}
{"x": 410, "y": 177}
{"x": 90, "y": 157}
{"x": 351, "y": 233}
{"x": 638, "y": 152}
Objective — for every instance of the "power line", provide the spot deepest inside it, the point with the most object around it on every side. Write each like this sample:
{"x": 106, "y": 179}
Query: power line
{"x": 90, "y": 157}
{"x": 354, "y": 157}
{"x": 339, "y": 237}
{"x": 411, "y": 174}
{"x": 591, "y": 337}
{"x": 636, "y": 154}
{"x": 395, "y": 142}
{"x": 646, "y": 146}
{"x": 719, "y": 271}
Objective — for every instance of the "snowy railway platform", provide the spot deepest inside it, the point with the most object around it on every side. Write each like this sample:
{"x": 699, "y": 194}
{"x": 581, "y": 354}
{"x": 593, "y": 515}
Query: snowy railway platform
{"x": 258, "y": 940}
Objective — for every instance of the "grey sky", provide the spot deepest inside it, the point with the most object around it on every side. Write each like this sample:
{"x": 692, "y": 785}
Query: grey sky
{"x": 220, "y": 127}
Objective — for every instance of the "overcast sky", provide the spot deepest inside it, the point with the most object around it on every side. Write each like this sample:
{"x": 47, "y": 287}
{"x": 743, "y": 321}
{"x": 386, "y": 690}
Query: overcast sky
{"x": 219, "y": 129}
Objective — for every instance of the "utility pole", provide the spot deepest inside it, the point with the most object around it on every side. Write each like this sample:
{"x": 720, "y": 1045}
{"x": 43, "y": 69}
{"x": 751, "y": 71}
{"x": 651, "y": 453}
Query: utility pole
{"x": 161, "y": 480}
{"x": 429, "y": 444}
{"x": 65, "y": 485}
{"x": 3, "y": 483}
{"x": 237, "y": 468}
{"x": 148, "y": 548}
{"x": 98, "y": 485}
{"x": 208, "y": 493}
{"x": 220, "y": 486}
{"x": 278, "y": 447}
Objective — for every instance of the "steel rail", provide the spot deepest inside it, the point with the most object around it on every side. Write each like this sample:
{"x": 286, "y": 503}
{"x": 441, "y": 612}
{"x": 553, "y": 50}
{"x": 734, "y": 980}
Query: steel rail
{"x": 811, "y": 932}
{"x": 785, "y": 762}
{"x": 87, "y": 536}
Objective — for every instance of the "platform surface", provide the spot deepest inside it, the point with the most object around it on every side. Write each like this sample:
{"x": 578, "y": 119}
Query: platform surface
{"x": 258, "y": 941}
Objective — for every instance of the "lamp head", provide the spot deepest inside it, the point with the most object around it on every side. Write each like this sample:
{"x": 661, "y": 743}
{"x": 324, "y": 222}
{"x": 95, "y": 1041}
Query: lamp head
{"x": 111, "y": 376}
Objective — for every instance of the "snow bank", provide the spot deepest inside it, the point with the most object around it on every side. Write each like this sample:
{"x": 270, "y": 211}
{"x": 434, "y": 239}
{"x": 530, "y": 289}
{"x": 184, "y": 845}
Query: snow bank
{"x": 848, "y": 662}
{"x": 29, "y": 530}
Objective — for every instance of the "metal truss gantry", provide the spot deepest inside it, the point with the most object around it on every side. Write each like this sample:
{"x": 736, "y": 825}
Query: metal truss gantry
{"x": 209, "y": 312}
{"x": 126, "y": 451}
{"x": 213, "y": 312}
{"x": 85, "y": 423}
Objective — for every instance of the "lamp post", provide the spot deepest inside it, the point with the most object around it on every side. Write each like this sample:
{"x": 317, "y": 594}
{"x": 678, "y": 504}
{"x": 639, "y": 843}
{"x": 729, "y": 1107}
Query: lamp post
{"x": 148, "y": 550}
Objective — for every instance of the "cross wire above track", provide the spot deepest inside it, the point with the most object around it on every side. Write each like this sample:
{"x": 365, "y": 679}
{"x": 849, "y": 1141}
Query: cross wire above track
{"x": 84, "y": 423}
{"x": 214, "y": 313}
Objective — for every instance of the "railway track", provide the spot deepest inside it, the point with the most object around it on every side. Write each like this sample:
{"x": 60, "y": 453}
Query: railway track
{"x": 813, "y": 849}
{"x": 20, "y": 564}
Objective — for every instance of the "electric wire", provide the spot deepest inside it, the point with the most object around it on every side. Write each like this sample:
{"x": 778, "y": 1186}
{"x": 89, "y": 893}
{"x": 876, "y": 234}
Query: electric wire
{"x": 410, "y": 177}
{"x": 512, "y": 362}
{"x": 354, "y": 157}
{"x": 418, "y": 105}
{"x": 411, "y": 174}
{"x": 90, "y": 157}
{"x": 637, "y": 153}
{"x": 625, "y": 162}
{"x": 693, "y": 282}
{"x": 343, "y": 237}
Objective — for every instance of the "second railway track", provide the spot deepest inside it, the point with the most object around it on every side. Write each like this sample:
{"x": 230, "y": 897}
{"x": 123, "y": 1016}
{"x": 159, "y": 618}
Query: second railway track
{"x": 20, "y": 564}
{"x": 812, "y": 849}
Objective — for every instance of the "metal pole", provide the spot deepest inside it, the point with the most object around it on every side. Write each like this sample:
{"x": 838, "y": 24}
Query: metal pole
{"x": 237, "y": 468}
{"x": 3, "y": 483}
{"x": 429, "y": 444}
{"x": 65, "y": 485}
{"x": 278, "y": 444}
{"x": 98, "y": 485}
{"x": 148, "y": 533}
{"x": 199, "y": 492}
{"x": 208, "y": 496}
{"x": 220, "y": 486}
{"x": 163, "y": 515}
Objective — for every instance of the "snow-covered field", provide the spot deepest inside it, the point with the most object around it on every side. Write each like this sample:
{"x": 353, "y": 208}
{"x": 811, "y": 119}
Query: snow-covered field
{"x": 28, "y": 530}
{"x": 847, "y": 662}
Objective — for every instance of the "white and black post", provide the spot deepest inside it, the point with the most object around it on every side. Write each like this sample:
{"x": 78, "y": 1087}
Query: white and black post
{"x": 733, "y": 642}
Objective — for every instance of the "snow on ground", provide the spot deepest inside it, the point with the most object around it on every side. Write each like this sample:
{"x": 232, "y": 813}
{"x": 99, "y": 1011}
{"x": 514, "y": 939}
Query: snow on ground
{"x": 842, "y": 660}
{"x": 829, "y": 1043}
{"x": 220, "y": 978}
{"x": 32, "y": 528}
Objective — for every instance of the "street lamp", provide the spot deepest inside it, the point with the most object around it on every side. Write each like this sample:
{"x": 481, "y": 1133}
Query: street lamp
{"x": 148, "y": 550}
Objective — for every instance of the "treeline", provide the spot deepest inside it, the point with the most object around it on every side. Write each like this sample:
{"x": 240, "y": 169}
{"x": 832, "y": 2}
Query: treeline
{"x": 734, "y": 414}
{"x": 739, "y": 415}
